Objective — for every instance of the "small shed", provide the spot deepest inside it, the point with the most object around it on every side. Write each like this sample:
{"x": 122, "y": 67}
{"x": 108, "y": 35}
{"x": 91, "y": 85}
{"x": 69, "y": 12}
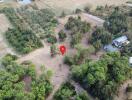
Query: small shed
{"x": 121, "y": 41}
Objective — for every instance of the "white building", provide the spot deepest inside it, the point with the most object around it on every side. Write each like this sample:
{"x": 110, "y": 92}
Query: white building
{"x": 121, "y": 41}
{"x": 130, "y": 61}
{"x": 24, "y": 2}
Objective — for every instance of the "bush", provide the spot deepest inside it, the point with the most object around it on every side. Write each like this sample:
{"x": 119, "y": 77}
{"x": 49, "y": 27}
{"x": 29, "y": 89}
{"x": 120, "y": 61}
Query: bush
{"x": 76, "y": 25}
{"x": 66, "y": 92}
{"x": 52, "y": 39}
{"x": 78, "y": 11}
{"x": 129, "y": 88}
{"x": 87, "y": 9}
{"x": 53, "y": 50}
{"x": 62, "y": 35}
{"x": 13, "y": 86}
{"x": 68, "y": 60}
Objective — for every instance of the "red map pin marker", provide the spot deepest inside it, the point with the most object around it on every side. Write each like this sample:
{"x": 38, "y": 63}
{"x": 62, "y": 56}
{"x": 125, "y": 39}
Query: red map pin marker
{"x": 62, "y": 49}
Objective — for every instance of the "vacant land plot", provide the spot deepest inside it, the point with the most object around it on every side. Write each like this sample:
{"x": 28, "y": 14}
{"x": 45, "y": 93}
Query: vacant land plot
{"x": 70, "y": 5}
{"x": 42, "y": 57}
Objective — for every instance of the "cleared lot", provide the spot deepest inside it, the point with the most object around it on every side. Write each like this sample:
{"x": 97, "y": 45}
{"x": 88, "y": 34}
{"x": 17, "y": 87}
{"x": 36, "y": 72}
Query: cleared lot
{"x": 70, "y": 5}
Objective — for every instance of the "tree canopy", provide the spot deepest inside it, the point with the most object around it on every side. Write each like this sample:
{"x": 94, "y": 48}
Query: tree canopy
{"x": 116, "y": 22}
{"x": 103, "y": 77}
{"x": 12, "y": 84}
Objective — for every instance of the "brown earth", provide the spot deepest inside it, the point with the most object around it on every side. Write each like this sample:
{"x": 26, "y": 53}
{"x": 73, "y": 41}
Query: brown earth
{"x": 4, "y": 25}
{"x": 70, "y": 5}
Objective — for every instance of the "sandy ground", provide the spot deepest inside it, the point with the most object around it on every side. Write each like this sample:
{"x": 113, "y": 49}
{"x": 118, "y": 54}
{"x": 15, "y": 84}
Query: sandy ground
{"x": 122, "y": 91}
{"x": 4, "y": 25}
{"x": 70, "y": 5}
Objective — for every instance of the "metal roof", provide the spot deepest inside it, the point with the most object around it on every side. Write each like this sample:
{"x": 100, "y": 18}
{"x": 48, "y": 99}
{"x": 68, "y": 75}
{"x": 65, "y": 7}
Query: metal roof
{"x": 130, "y": 60}
{"x": 25, "y": 2}
{"x": 121, "y": 39}
{"x": 110, "y": 48}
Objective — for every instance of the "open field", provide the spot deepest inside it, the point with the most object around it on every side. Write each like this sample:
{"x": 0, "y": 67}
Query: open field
{"x": 70, "y": 5}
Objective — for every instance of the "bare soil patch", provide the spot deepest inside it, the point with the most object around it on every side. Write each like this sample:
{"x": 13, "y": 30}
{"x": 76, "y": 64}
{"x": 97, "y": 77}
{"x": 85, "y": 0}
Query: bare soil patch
{"x": 4, "y": 25}
{"x": 70, "y": 5}
{"x": 122, "y": 91}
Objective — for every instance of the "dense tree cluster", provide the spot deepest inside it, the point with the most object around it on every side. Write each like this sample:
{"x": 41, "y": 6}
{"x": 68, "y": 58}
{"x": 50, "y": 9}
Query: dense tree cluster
{"x": 23, "y": 41}
{"x": 42, "y": 22}
{"x": 103, "y": 77}
{"x": 127, "y": 50}
{"x": 80, "y": 57}
{"x": 12, "y": 86}
{"x": 39, "y": 22}
{"x": 116, "y": 22}
{"x": 100, "y": 37}
{"x": 76, "y": 25}
{"x": 77, "y": 28}
{"x": 67, "y": 92}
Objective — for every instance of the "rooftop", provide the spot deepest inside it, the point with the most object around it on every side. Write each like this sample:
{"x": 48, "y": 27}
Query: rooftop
{"x": 121, "y": 39}
{"x": 110, "y": 48}
{"x": 130, "y": 60}
{"x": 25, "y": 2}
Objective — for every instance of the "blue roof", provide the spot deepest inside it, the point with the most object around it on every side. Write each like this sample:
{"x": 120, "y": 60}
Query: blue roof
{"x": 25, "y": 2}
{"x": 110, "y": 48}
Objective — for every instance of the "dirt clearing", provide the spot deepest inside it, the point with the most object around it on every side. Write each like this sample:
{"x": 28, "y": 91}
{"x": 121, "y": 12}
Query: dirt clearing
{"x": 70, "y": 5}
{"x": 122, "y": 91}
{"x": 4, "y": 25}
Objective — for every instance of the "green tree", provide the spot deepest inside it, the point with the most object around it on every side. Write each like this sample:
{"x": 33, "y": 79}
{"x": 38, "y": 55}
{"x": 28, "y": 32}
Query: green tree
{"x": 116, "y": 22}
{"x": 97, "y": 45}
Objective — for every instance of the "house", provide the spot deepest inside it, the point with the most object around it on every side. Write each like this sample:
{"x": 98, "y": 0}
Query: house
{"x": 24, "y": 2}
{"x": 130, "y": 61}
{"x": 121, "y": 41}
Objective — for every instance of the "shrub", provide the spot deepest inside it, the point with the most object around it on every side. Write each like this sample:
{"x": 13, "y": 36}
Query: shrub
{"x": 62, "y": 35}
{"x": 78, "y": 11}
{"x": 52, "y": 39}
